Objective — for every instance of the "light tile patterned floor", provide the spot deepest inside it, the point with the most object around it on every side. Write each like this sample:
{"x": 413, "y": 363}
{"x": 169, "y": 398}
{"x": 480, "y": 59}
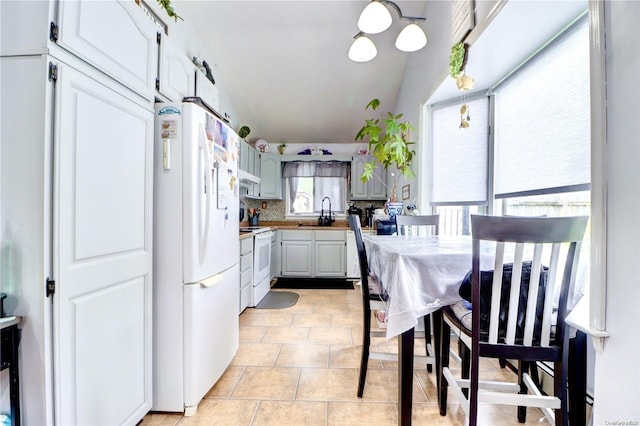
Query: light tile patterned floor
{"x": 299, "y": 366}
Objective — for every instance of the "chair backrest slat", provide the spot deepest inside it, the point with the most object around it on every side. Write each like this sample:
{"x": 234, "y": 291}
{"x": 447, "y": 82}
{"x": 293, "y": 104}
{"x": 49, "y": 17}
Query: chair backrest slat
{"x": 496, "y": 291}
{"x": 514, "y": 293}
{"x": 547, "y": 311}
{"x": 530, "y": 316}
{"x": 405, "y": 221}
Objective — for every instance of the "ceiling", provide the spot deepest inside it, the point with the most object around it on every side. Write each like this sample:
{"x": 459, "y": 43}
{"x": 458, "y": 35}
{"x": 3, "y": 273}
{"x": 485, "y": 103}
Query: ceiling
{"x": 284, "y": 65}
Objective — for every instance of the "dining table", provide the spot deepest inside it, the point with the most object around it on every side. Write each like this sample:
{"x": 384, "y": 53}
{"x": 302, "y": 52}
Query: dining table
{"x": 422, "y": 274}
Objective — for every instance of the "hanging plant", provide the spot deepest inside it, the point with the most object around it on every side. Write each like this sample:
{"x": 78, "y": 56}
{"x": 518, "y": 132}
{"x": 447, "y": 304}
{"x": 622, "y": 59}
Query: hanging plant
{"x": 166, "y": 5}
{"x": 457, "y": 59}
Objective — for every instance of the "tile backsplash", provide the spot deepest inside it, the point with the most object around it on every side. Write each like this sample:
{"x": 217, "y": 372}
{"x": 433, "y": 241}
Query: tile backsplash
{"x": 276, "y": 209}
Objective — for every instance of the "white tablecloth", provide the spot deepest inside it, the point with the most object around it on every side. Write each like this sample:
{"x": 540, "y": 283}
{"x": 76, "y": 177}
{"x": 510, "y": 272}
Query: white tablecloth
{"x": 420, "y": 274}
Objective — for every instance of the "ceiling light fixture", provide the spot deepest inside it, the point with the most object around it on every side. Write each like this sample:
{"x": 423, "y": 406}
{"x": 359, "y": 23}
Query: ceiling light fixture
{"x": 374, "y": 19}
{"x": 362, "y": 49}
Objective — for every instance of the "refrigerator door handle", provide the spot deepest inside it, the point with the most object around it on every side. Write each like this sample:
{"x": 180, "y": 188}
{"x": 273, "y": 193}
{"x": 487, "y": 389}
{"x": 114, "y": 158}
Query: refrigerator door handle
{"x": 204, "y": 146}
{"x": 215, "y": 279}
{"x": 211, "y": 281}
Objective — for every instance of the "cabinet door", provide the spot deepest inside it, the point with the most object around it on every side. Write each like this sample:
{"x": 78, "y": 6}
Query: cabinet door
{"x": 358, "y": 188}
{"x": 115, "y": 37}
{"x": 297, "y": 258}
{"x": 270, "y": 177}
{"x": 376, "y": 187}
{"x": 177, "y": 72}
{"x": 353, "y": 264}
{"x": 275, "y": 255}
{"x": 252, "y": 156}
{"x": 244, "y": 156}
{"x": 207, "y": 91}
{"x": 257, "y": 166}
{"x": 330, "y": 258}
{"x": 103, "y": 192}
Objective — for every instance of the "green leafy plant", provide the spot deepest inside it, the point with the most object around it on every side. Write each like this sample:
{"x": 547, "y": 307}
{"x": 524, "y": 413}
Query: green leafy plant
{"x": 166, "y": 5}
{"x": 389, "y": 146}
{"x": 244, "y": 131}
{"x": 457, "y": 59}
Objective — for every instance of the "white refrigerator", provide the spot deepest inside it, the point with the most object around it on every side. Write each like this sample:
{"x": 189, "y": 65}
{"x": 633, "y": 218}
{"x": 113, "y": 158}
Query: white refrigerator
{"x": 196, "y": 254}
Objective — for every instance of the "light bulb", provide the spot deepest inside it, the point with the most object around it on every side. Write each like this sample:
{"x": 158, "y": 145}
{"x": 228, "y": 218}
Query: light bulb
{"x": 411, "y": 38}
{"x": 362, "y": 50}
{"x": 375, "y": 18}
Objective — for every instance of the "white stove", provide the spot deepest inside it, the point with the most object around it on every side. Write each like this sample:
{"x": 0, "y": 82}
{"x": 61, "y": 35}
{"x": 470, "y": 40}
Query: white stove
{"x": 261, "y": 261}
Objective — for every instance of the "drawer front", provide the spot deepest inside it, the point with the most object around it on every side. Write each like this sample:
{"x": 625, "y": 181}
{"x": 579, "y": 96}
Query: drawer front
{"x": 291, "y": 235}
{"x": 246, "y": 245}
{"x": 246, "y": 278}
{"x": 246, "y": 262}
{"x": 245, "y": 297}
{"x": 330, "y": 236}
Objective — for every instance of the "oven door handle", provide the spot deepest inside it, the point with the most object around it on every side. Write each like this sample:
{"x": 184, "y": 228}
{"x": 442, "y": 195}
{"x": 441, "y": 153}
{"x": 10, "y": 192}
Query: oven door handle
{"x": 263, "y": 236}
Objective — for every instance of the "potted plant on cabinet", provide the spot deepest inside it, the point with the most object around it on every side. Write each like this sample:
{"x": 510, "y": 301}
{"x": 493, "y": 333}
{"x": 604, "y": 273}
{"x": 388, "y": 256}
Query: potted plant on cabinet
{"x": 389, "y": 145}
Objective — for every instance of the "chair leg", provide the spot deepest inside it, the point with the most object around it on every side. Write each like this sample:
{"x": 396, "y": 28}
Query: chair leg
{"x": 560, "y": 377}
{"x": 523, "y": 367}
{"x": 474, "y": 378}
{"x": 364, "y": 359}
{"x": 465, "y": 356}
{"x": 444, "y": 346}
{"x": 427, "y": 337}
{"x": 533, "y": 372}
{"x": 502, "y": 362}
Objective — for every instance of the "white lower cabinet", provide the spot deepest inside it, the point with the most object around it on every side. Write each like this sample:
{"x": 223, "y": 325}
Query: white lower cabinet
{"x": 306, "y": 253}
{"x": 246, "y": 272}
{"x": 330, "y": 249}
{"x": 297, "y": 253}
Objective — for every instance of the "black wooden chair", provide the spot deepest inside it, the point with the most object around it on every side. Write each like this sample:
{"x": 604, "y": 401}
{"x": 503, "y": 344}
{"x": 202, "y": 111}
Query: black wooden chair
{"x": 373, "y": 298}
{"x": 513, "y": 319}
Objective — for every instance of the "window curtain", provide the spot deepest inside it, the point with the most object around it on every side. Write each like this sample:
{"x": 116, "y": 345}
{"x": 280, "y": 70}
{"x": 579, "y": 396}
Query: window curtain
{"x": 315, "y": 169}
{"x": 329, "y": 181}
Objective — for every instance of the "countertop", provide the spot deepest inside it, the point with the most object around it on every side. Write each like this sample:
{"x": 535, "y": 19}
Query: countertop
{"x": 338, "y": 225}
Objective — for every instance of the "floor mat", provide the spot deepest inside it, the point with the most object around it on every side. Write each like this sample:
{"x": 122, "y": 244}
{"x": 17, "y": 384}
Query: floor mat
{"x": 278, "y": 300}
{"x": 315, "y": 283}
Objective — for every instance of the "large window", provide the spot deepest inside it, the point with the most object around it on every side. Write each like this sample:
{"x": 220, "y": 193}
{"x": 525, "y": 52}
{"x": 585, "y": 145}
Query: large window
{"x": 532, "y": 140}
{"x": 313, "y": 186}
{"x": 542, "y": 116}
{"x": 460, "y": 162}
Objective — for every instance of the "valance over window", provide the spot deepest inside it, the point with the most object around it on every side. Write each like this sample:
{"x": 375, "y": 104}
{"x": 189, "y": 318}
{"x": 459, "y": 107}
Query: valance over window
{"x": 315, "y": 169}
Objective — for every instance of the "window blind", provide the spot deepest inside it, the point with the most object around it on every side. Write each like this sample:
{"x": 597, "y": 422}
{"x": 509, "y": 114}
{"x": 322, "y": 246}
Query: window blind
{"x": 542, "y": 115}
{"x": 459, "y": 157}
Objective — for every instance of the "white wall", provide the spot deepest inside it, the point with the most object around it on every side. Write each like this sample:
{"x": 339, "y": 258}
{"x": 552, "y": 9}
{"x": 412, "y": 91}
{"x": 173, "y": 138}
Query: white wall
{"x": 617, "y": 378}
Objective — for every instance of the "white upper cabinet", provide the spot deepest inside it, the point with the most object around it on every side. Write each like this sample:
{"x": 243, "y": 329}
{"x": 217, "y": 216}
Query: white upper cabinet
{"x": 270, "y": 177}
{"x": 177, "y": 73}
{"x": 113, "y": 36}
{"x": 374, "y": 189}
